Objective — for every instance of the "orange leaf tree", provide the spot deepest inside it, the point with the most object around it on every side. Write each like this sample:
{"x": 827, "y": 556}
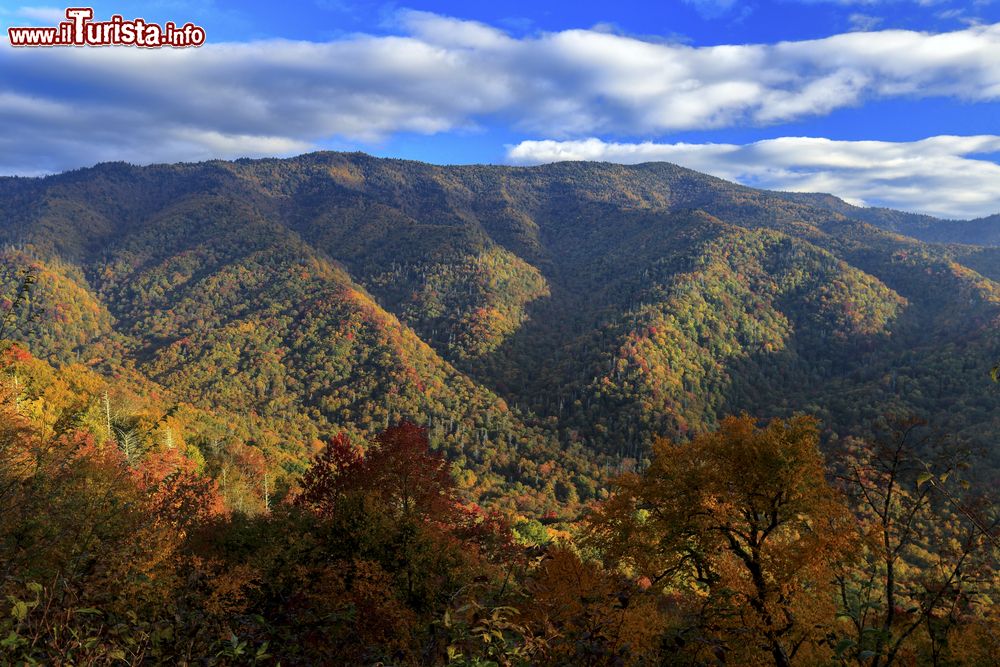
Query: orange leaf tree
{"x": 743, "y": 521}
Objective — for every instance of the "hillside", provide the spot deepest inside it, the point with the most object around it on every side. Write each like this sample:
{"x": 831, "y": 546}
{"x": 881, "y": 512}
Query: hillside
{"x": 980, "y": 231}
{"x": 545, "y": 323}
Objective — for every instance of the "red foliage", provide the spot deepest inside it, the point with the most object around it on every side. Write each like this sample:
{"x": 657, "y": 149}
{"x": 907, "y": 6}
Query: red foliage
{"x": 399, "y": 470}
{"x": 15, "y": 354}
{"x": 177, "y": 492}
{"x": 489, "y": 532}
{"x": 82, "y": 446}
{"x": 402, "y": 470}
{"x": 251, "y": 461}
{"x": 404, "y": 476}
{"x": 326, "y": 479}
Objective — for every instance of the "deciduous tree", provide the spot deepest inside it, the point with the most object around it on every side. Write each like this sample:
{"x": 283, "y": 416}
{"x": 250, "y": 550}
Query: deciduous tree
{"x": 745, "y": 518}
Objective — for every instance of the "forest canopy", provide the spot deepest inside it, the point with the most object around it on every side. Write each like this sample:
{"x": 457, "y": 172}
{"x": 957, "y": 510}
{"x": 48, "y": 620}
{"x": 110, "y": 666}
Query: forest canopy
{"x": 340, "y": 410}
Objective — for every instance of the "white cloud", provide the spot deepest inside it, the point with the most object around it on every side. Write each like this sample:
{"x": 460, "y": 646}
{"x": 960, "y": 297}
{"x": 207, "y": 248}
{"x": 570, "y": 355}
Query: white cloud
{"x": 936, "y": 175}
{"x": 443, "y": 74}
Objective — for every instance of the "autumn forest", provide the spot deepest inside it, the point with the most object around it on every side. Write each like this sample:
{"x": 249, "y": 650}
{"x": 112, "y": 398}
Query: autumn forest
{"x": 341, "y": 410}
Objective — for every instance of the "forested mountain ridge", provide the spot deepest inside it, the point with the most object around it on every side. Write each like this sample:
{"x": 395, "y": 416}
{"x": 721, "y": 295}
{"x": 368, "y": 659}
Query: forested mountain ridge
{"x": 545, "y": 323}
{"x": 979, "y": 231}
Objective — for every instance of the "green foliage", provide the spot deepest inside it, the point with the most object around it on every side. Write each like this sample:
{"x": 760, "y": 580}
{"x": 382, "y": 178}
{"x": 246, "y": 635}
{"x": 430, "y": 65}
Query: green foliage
{"x": 466, "y": 307}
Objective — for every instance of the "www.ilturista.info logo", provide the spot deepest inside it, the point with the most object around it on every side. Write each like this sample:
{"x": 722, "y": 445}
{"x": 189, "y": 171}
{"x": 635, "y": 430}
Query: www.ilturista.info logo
{"x": 81, "y": 30}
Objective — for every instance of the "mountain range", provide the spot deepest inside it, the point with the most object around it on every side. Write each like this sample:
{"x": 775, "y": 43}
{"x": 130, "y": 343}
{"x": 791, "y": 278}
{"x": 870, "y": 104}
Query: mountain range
{"x": 545, "y": 323}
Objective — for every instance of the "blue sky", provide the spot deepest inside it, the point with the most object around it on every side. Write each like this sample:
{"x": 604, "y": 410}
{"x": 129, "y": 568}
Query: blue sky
{"x": 882, "y": 102}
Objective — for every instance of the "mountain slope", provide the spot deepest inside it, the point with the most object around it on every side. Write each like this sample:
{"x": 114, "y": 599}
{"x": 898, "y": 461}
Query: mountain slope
{"x": 544, "y": 321}
{"x": 981, "y": 231}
